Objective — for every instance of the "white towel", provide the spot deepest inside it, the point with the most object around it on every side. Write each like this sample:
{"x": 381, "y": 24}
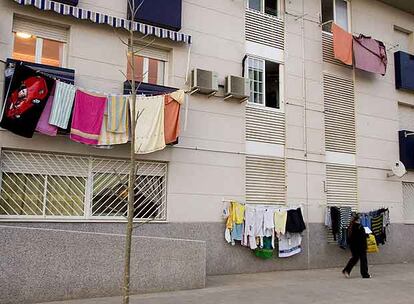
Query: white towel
{"x": 149, "y": 131}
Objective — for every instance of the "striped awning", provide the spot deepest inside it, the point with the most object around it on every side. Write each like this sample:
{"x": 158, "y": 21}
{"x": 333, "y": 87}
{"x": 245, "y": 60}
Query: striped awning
{"x": 84, "y": 14}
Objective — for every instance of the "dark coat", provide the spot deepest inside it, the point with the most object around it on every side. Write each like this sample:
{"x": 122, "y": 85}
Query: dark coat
{"x": 357, "y": 238}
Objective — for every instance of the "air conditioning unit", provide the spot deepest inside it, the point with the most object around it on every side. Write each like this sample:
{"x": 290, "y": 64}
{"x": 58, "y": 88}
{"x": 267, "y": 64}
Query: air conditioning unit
{"x": 237, "y": 87}
{"x": 204, "y": 82}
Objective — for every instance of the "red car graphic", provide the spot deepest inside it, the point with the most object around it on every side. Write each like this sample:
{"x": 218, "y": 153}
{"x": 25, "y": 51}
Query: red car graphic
{"x": 31, "y": 92}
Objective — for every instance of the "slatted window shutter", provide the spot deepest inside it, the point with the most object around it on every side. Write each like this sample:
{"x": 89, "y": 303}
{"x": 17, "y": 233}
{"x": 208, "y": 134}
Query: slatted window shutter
{"x": 266, "y": 126}
{"x": 40, "y": 29}
{"x": 265, "y": 180}
{"x": 153, "y": 53}
{"x": 328, "y": 51}
{"x": 264, "y": 29}
{"x": 342, "y": 186}
{"x": 339, "y": 103}
{"x": 408, "y": 202}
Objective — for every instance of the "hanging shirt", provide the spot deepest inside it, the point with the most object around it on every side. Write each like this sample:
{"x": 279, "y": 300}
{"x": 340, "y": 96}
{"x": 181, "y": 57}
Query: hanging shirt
{"x": 88, "y": 114}
{"x": 295, "y": 222}
{"x": 43, "y": 125}
{"x": 342, "y": 44}
{"x": 238, "y": 212}
{"x": 280, "y": 217}
{"x": 335, "y": 220}
{"x": 27, "y": 96}
{"x": 370, "y": 55}
{"x": 345, "y": 219}
{"x": 290, "y": 245}
{"x": 149, "y": 131}
{"x": 249, "y": 228}
{"x": 62, "y": 104}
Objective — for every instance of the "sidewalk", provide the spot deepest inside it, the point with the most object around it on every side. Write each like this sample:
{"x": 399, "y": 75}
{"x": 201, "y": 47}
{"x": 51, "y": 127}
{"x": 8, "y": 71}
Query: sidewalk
{"x": 390, "y": 284}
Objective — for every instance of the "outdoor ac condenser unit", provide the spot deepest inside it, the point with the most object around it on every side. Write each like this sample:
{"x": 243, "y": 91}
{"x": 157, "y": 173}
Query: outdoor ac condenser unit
{"x": 237, "y": 87}
{"x": 203, "y": 81}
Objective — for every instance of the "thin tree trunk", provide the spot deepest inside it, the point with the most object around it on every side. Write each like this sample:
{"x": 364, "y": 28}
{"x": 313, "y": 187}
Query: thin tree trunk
{"x": 132, "y": 177}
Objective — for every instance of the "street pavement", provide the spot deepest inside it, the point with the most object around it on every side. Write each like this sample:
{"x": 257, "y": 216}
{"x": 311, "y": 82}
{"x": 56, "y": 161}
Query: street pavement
{"x": 389, "y": 284}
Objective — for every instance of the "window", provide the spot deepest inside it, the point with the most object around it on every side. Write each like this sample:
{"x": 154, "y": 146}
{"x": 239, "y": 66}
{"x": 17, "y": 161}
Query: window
{"x": 403, "y": 38}
{"x": 38, "y": 42}
{"x": 264, "y": 82}
{"x": 265, "y": 6}
{"x": 46, "y": 186}
{"x": 150, "y": 66}
{"x": 337, "y": 11}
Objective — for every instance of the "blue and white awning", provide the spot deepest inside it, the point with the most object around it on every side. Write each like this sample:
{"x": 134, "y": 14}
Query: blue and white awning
{"x": 84, "y": 14}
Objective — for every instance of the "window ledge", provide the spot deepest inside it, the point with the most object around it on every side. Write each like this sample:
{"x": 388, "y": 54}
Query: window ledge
{"x": 263, "y": 107}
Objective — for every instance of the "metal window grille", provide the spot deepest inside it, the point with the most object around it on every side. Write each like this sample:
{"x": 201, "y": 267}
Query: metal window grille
{"x": 42, "y": 185}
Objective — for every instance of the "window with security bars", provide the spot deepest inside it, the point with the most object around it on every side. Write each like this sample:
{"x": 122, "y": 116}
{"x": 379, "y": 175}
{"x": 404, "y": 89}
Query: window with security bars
{"x": 41, "y": 185}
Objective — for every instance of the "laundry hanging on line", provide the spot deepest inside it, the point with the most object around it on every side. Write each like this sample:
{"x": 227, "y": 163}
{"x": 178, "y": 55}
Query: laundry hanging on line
{"x": 96, "y": 120}
{"x": 337, "y": 219}
{"x": 364, "y": 52}
{"x": 262, "y": 227}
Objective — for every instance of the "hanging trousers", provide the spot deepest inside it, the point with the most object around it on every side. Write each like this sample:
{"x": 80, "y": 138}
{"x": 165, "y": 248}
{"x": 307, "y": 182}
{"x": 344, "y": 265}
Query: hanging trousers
{"x": 362, "y": 257}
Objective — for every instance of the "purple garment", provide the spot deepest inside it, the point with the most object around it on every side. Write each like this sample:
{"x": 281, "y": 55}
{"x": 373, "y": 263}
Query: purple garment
{"x": 43, "y": 125}
{"x": 370, "y": 55}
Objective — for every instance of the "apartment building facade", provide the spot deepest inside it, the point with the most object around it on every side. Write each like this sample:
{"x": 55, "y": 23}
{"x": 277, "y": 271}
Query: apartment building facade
{"x": 314, "y": 132}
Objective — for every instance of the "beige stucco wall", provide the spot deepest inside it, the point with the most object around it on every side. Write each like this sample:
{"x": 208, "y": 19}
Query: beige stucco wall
{"x": 376, "y": 101}
{"x": 197, "y": 180}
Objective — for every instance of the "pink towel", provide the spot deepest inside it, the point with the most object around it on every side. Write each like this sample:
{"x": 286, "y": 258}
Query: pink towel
{"x": 370, "y": 55}
{"x": 88, "y": 114}
{"x": 43, "y": 125}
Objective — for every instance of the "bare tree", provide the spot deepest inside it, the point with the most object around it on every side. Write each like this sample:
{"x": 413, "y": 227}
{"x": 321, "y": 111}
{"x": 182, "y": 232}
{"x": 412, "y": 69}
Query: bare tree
{"x": 132, "y": 50}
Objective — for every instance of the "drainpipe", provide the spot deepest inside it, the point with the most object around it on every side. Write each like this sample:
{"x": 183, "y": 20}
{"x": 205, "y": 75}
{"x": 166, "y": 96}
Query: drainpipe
{"x": 305, "y": 132}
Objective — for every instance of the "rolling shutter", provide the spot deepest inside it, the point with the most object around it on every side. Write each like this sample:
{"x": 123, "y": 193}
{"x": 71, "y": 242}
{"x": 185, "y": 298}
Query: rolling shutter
{"x": 264, "y": 125}
{"x": 339, "y": 103}
{"x": 265, "y": 180}
{"x": 40, "y": 29}
{"x": 153, "y": 53}
{"x": 264, "y": 29}
{"x": 342, "y": 186}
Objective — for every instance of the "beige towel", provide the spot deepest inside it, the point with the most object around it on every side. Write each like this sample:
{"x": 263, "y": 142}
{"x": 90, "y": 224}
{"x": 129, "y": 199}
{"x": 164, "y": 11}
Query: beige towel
{"x": 149, "y": 131}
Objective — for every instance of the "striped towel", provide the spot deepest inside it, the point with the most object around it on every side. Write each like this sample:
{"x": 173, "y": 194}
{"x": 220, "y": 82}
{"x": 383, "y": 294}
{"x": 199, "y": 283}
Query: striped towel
{"x": 117, "y": 114}
{"x": 108, "y": 138}
{"x": 62, "y": 105}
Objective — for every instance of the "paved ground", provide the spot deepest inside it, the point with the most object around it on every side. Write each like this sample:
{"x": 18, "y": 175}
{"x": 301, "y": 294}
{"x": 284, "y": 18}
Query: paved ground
{"x": 390, "y": 284}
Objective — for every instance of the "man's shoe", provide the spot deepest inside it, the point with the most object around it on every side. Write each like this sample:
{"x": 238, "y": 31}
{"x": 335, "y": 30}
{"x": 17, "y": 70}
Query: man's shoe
{"x": 368, "y": 276}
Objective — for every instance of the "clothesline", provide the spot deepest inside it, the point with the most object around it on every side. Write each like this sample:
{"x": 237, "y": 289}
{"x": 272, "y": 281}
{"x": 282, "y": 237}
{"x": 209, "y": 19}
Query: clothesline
{"x": 391, "y": 45}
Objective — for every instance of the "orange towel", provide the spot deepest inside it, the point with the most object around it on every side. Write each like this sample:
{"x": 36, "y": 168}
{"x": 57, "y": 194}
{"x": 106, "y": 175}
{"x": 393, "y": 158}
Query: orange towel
{"x": 342, "y": 43}
{"x": 171, "y": 120}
